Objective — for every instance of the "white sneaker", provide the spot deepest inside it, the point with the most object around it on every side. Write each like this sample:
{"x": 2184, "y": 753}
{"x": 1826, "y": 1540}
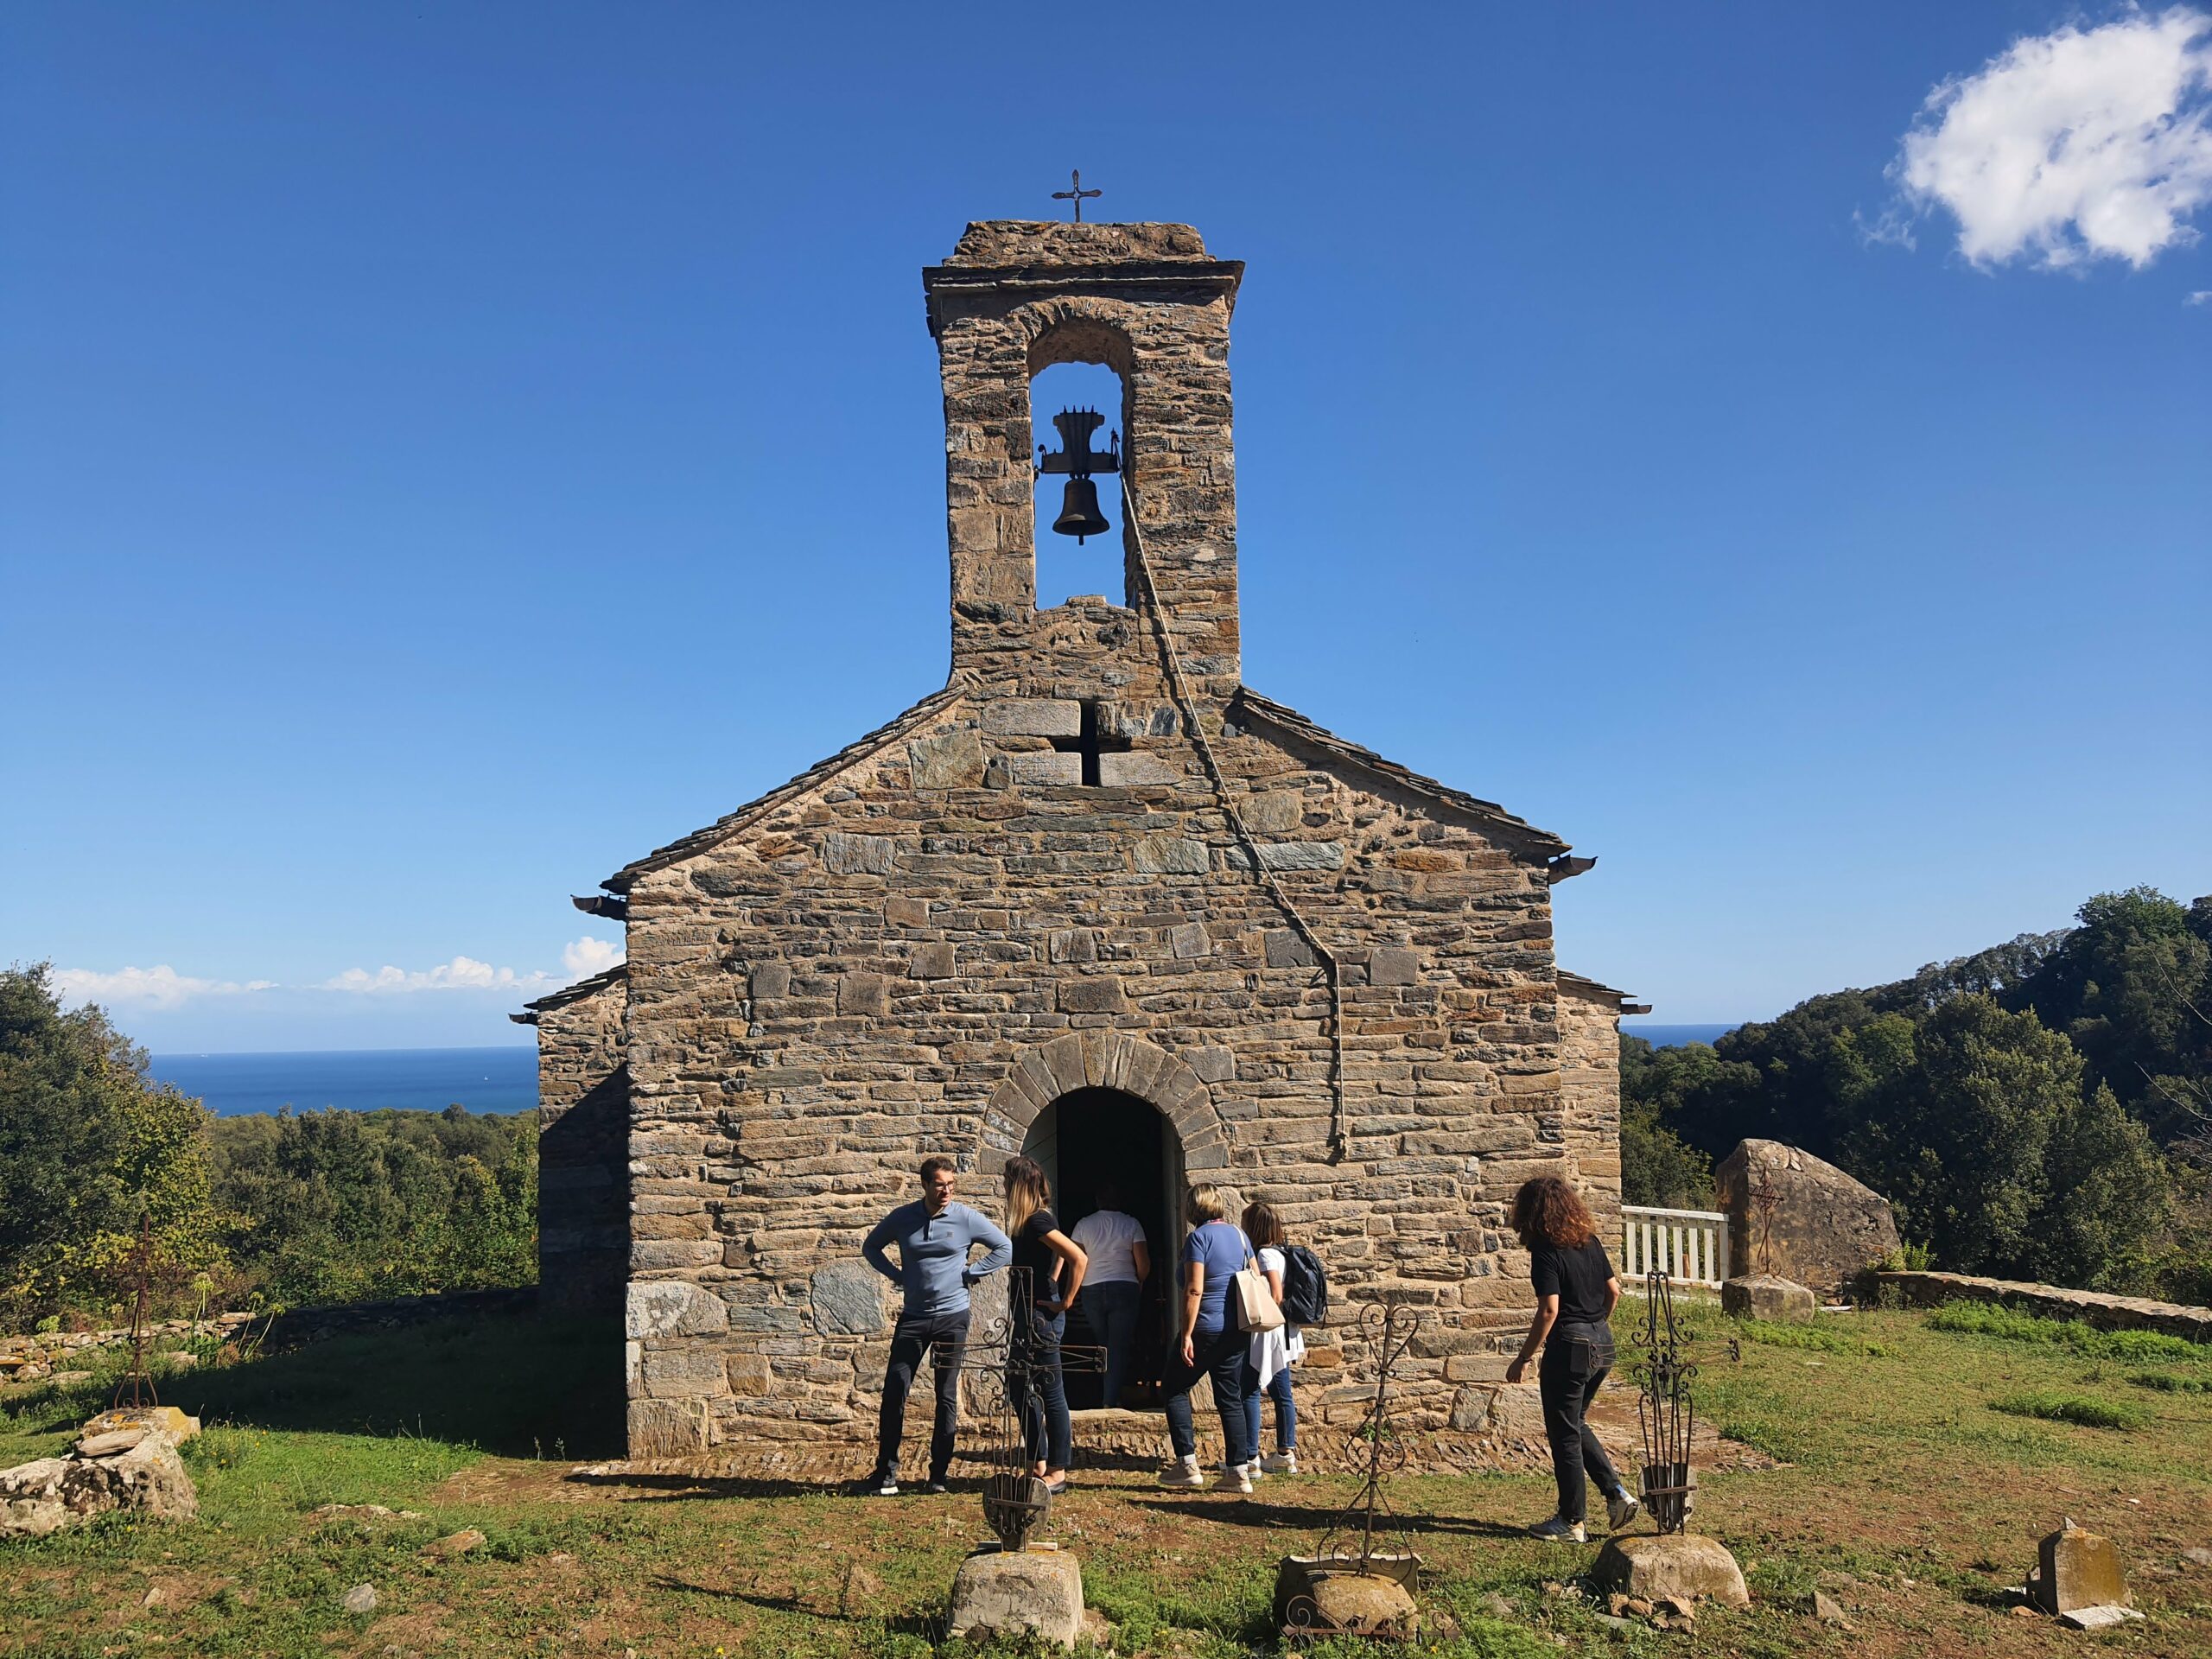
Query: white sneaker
{"x": 1279, "y": 1462}
{"x": 1239, "y": 1479}
{"x": 1559, "y": 1531}
{"x": 1183, "y": 1473}
{"x": 1620, "y": 1509}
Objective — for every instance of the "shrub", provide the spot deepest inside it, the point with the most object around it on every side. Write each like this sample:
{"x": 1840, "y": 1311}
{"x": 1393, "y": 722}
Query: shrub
{"x": 1988, "y": 1319}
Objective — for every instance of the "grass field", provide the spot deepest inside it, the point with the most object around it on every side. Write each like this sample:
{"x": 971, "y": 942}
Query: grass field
{"x": 1903, "y": 1490}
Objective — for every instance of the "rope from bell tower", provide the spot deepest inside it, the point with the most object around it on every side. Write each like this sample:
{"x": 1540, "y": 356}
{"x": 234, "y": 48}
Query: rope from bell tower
{"x": 1180, "y": 690}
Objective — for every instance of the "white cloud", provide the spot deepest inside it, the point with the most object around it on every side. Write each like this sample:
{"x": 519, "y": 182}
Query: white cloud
{"x": 2073, "y": 146}
{"x": 159, "y": 987}
{"x": 2202, "y": 296}
{"x": 586, "y": 956}
{"x": 461, "y": 974}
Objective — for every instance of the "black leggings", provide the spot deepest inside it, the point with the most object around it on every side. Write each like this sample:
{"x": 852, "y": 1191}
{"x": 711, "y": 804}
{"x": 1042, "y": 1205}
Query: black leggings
{"x": 1576, "y": 1358}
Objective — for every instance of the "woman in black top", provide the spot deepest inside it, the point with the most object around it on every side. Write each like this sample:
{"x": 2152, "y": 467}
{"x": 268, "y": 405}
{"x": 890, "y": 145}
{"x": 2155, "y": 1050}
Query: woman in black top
{"x": 1576, "y": 1292}
{"x": 1051, "y": 1265}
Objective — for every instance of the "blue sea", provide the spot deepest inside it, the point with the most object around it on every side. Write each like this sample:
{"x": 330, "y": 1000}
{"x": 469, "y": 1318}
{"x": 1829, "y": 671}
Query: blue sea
{"x": 360, "y": 1080}
{"x": 1673, "y": 1036}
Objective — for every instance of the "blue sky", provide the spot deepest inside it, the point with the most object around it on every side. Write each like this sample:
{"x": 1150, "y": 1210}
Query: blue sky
{"x": 445, "y": 453}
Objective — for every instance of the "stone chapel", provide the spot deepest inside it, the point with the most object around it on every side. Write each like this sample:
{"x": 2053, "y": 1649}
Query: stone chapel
{"x": 1095, "y": 900}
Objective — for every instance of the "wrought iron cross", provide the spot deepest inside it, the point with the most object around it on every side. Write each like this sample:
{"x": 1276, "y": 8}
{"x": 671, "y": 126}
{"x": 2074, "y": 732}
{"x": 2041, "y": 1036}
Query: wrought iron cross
{"x": 1076, "y": 192}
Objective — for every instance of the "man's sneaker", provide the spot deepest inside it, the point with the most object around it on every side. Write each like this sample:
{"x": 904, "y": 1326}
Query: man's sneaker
{"x": 1560, "y": 1532}
{"x": 878, "y": 1484}
{"x": 937, "y": 1489}
{"x": 1621, "y": 1508}
{"x": 1239, "y": 1479}
{"x": 1279, "y": 1462}
{"x": 1184, "y": 1473}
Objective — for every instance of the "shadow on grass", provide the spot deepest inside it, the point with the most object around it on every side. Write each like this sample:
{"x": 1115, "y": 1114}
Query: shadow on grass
{"x": 679, "y": 1488}
{"x": 513, "y": 1384}
{"x": 1243, "y": 1512}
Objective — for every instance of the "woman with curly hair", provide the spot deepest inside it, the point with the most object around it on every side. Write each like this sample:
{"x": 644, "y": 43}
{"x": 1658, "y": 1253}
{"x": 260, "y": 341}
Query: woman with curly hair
{"x": 1576, "y": 1292}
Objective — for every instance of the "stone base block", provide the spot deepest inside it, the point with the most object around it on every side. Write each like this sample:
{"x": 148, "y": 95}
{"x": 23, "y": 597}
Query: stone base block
{"x": 1003, "y": 1592}
{"x": 1681, "y": 1565}
{"x": 1370, "y": 1596}
{"x": 54, "y": 1493}
{"x": 1764, "y": 1296}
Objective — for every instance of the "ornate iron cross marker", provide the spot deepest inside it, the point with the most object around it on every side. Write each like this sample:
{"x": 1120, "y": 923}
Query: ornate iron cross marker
{"x": 1075, "y": 194}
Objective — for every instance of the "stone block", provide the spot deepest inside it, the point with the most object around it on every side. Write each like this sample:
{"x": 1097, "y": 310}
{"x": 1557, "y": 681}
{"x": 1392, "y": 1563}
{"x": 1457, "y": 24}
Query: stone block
{"x": 862, "y": 993}
{"x": 672, "y": 1307}
{"x": 1286, "y": 950}
{"x": 1190, "y": 941}
{"x": 1765, "y": 1296}
{"x": 749, "y": 1376}
{"x": 859, "y": 854}
{"x": 1051, "y": 769}
{"x": 1512, "y": 1410}
{"x": 1275, "y": 812}
{"x": 848, "y": 1300}
{"x": 1288, "y": 856}
{"x": 954, "y": 760}
{"x": 1002, "y": 1593}
{"x": 1388, "y": 965}
{"x": 2077, "y": 1568}
{"x": 1075, "y": 944}
{"x": 1161, "y": 853}
{"x": 1032, "y": 717}
{"x": 1095, "y": 993}
{"x": 770, "y": 980}
{"x": 51, "y": 1494}
{"x": 1681, "y": 1565}
{"x": 667, "y": 1429}
{"x": 1826, "y": 1227}
{"x": 693, "y": 1371}
{"x": 1135, "y": 766}
{"x": 1213, "y": 1064}
{"x": 1316, "y": 1598}
{"x": 906, "y": 912}
{"x": 930, "y": 961}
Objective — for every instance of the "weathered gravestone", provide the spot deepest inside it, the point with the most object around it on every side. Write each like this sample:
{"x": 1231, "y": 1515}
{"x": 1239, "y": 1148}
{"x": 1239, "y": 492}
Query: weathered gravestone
{"x": 1816, "y": 1226}
{"x": 2076, "y": 1568}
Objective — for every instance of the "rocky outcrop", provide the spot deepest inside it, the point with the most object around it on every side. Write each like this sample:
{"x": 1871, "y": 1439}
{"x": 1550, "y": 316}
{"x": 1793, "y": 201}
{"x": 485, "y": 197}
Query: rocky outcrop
{"x": 131, "y": 1467}
{"x": 1827, "y": 1227}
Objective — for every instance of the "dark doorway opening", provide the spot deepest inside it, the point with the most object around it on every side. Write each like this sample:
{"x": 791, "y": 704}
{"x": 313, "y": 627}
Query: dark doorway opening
{"x": 1099, "y": 1137}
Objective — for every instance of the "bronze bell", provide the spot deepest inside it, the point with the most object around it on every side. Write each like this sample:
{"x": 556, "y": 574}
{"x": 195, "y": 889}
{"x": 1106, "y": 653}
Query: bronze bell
{"x": 1079, "y": 514}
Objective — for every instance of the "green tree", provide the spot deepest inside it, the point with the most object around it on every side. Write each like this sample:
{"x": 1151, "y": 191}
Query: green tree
{"x": 88, "y": 1144}
{"x": 2110, "y": 1198}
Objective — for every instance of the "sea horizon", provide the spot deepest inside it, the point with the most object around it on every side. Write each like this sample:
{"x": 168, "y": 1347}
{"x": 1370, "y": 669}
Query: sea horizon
{"x": 502, "y": 1078}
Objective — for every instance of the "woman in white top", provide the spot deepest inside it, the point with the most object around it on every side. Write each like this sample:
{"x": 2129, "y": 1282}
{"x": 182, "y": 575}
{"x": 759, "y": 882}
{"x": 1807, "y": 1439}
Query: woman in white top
{"x": 1119, "y": 1263}
{"x": 1267, "y": 1370}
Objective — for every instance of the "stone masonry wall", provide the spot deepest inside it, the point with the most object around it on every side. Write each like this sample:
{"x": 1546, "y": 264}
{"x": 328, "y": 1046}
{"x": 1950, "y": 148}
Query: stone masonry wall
{"x": 583, "y": 1127}
{"x": 882, "y": 968}
{"x": 1590, "y": 1097}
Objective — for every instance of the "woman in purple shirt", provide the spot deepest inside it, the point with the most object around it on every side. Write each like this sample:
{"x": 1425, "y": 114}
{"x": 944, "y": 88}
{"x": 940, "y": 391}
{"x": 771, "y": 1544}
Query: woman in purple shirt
{"x": 1211, "y": 1344}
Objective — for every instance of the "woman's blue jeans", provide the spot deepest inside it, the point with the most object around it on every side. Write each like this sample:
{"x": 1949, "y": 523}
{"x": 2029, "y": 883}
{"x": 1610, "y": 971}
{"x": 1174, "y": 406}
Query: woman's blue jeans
{"x": 1218, "y": 1355}
{"x": 1278, "y": 1389}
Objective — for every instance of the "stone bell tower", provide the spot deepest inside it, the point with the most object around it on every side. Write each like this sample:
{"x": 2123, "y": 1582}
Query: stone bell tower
{"x": 1149, "y": 303}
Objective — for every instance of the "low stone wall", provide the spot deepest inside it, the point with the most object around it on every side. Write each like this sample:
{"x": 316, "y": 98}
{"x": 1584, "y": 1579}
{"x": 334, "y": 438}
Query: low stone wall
{"x": 2106, "y": 1311}
{"x": 30, "y": 1356}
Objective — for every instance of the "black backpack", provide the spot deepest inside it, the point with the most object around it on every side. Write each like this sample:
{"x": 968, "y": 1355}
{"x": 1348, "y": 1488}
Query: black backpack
{"x": 1305, "y": 1287}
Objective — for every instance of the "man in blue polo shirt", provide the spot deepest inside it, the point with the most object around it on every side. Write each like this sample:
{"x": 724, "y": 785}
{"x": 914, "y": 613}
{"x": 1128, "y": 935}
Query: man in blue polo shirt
{"x": 934, "y": 1236}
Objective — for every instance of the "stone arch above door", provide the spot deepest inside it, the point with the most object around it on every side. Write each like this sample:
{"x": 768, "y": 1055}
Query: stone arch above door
{"x": 1103, "y": 1059}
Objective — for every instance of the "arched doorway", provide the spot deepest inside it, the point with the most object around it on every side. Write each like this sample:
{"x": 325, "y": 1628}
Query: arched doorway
{"x": 1093, "y": 1139}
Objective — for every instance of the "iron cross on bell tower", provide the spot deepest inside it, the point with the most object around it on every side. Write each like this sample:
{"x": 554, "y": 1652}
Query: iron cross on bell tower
{"x": 1076, "y": 192}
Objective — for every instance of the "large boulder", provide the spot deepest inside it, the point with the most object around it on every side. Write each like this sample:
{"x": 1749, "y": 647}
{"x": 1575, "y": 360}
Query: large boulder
{"x": 1828, "y": 1228}
{"x": 52, "y": 1493}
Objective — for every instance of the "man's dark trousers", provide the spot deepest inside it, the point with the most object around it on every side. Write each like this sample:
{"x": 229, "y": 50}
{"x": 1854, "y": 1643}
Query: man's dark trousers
{"x": 945, "y": 1337}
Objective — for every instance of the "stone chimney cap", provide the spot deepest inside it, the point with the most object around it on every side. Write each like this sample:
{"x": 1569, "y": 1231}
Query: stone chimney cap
{"x": 1000, "y": 243}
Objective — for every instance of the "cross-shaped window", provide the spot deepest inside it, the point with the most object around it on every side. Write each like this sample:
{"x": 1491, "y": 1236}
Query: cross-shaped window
{"x": 1089, "y": 742}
